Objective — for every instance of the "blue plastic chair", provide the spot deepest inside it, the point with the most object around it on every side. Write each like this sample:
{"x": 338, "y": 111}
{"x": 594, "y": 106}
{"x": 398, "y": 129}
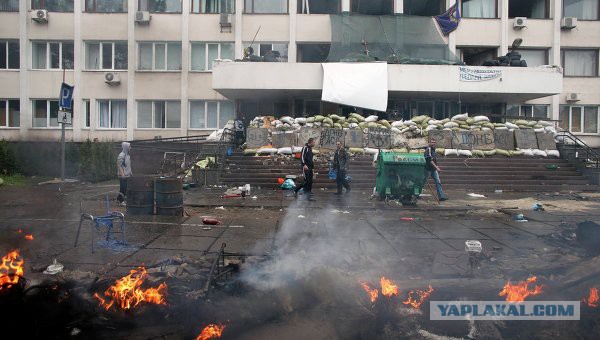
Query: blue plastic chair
{"x": 107, "y": 221}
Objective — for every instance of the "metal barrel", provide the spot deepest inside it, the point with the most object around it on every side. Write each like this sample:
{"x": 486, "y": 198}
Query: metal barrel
{"x": 140, "y": 196}
{"x": 169, "y": 196}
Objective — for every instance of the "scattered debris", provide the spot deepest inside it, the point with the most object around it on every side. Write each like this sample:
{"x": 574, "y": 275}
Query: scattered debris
{"x": 75, "y": 331}
{"x": 211, "y": 221}
{"x": 474, "y": 195}
{"x": 301, "y": 216}
{"x": 220, "y": 208}
{"x": 537, "y": 207}
{"x": 498, "y": 191}
{"x": 54, "y": 268}
{"x": 254, "y": 197}
{"x": 520, "y": 218}
{"x": 206, "y": 228}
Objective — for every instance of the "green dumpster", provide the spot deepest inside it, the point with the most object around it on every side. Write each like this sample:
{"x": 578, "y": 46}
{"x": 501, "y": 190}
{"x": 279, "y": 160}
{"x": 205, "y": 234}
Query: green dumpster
{"x": 400, "y": 176}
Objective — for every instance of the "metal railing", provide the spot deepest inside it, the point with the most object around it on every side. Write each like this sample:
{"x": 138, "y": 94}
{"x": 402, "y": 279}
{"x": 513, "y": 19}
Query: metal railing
{"x": 574, "y": 148}
{"x": 227, "y": 139}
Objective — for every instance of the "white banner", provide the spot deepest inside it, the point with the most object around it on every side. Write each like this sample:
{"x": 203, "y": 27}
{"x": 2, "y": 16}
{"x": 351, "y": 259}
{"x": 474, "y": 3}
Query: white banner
{"x": 356, "y": 84}
{"x": 478, "y": 74}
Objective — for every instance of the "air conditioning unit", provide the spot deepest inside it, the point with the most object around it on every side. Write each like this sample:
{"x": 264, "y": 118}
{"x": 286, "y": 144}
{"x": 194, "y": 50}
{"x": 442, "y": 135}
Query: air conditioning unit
{"x": 225, "y": 21}
{"x": 520, "y": 22}
{"x": 112, "y": 78}
{"x": 142, "y": 17}
{"x": 39, "y": 15}
{"x": 568, "y": 23}
{"x": 573, "y": 97}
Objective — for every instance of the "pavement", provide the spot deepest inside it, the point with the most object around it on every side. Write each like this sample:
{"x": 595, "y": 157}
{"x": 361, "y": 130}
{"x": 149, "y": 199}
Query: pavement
{"x": 355, "y": 234}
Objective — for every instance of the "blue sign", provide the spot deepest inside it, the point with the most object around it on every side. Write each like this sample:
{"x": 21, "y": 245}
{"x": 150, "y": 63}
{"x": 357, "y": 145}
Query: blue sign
{"x": 66, "y": 96}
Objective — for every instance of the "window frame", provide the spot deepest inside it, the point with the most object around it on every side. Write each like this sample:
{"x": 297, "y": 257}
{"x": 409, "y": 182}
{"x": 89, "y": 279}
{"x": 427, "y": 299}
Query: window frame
{"x": 166, "y": 102}
{"x": 257, "y": 51}
{"x": 562, "y": 61}
{"x": 7, "y": 114}
{"x": 154, "y": 43}
{"x": 547, "y": 14}
{"x": 101, "y": 55}
{"x": 562, "y": 8}
{"x": 87, "y": 114}
{"x": 87, "y": 10}
{"x": 48, "y": 58}
{"x": 42, "y": 5}
{"x": 582, "y": 118}
{"x": 7, "y": 43}
{"x": 206, "y": 102}
{"x": 48, "y": 114}
{"x": 219, "y": 12}
{"x": 206, "y": 61}
{"x": 13, "y": 9}
{"x": 339, "y": 8}
{"x": 496, "y": 16}
{"x": 545, "y": 50}
{"x": 139, "y": 6}
{"x": 287, "y": 4}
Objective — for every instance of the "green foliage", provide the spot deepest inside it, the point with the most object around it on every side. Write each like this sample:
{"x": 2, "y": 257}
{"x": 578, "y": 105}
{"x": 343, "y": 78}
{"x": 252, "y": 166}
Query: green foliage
{"x": 14, "y": 180}
{"x": 97, "y": 161}
{"x": 9, "y": 164}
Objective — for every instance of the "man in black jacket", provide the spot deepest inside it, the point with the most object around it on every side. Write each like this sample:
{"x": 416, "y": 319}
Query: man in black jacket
{"x": 433, "y": 170}
{"x": 306, "y": 160}
{"x": 340, "y": 164}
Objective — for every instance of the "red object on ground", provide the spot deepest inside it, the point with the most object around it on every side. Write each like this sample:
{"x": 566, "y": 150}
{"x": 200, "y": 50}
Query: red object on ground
{"x": 407, "y": 218}
{"x": 297, "y": 155}
{"x": 280, "y": 180}
{"x": 210, "y": 221}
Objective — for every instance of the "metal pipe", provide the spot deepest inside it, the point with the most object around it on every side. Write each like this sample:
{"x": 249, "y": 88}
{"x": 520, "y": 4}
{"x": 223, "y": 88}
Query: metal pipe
{"x": 212, "y": 269}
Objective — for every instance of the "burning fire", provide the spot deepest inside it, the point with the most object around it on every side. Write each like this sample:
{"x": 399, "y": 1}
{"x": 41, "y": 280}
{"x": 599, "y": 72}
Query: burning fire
{"x": 592, "y": 300}
{"x": 11, "y": 269}
{"x": 373, "y": 293}
{"x": 519, "y": 291}
{"x": 420, "y": 297}
{"x": 29, "y": 237}
{"x": 211, "y": 331}
{"x": 126, "y": 292}
{"x": 388, "y": 288}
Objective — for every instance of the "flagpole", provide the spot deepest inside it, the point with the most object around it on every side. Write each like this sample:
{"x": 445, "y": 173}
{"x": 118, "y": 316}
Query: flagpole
{"x": 62, "y": 142}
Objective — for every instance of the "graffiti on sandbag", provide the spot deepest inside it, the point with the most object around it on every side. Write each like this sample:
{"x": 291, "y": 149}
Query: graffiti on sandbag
{"x": 379, "y": 138}
{"x": 329, "y": 137}
{"x": 473, "y": 140}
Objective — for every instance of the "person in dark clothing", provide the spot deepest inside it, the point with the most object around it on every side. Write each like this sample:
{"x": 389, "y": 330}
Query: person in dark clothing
{"x": 238, "y": 126}
{"x": 432, "y": 169}
{"x": 306, "y": 161}
{"x": 340, "y": 164}
{"x": 123, "y": 171}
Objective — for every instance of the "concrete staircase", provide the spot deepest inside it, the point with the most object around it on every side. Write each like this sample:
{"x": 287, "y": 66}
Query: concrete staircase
{"x": 475, "y": 174}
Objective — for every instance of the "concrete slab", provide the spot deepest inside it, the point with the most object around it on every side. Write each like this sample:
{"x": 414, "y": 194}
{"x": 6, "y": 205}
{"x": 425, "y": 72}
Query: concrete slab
{"x": 483, "y": 223}
{"x": 244, "y": 245}
{"x": 489, "y": 246}
{"x": 450, "y": 264}
{"x": 82, "y": 255}
{"x": 190, "y": 243}
{"x": 152, "y": 256}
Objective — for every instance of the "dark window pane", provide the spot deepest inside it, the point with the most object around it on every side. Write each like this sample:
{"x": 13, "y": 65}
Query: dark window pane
{"x": 576, "y": 119}
{"x": 54, "y": 5}
{"x": 54, "y": 55}
{"x": 563, "y": 116}
{"x": 14, "y": 55}
{"x": 375, "y": 7}
{"x": 590, "y": 119}
{"x": 9, "y": 5}
{"x": 14, "y": 113}
{"x": 68, "y": 57}
{"x": 164, "y": 6}
{"x": 426, "y": 8}
{"x": 319, "y": 6}
{"x": 3, "y": 113}
{"x": 159, "y": 115}
{"x": 107, "y": 56}
{"x": 3, "y": 61}
{"x": 53, "y": 113}
{"x": 535, "y": 9}
{"x": 120, "y": 56}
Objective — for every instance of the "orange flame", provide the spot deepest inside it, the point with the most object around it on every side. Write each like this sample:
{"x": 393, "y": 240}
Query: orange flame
{"x": 417, "y": 301}
{"x": 593, "y": 299}
{"x": 373, "y": 293}
{"x": 211, "y": 331}
{"x": 11, "y": 269}
{"x": 126, "y": 292}
{"x": 29, "y": 237}
{"x": 519, "y": 291}
{"x": 388, "y": 287}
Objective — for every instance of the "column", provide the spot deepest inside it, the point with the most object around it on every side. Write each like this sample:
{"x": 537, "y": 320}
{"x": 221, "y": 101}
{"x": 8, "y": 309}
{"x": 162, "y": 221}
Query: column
{"x": 292, "y": 47}
{"x": 452, "y": 35}
{"x": 398, "y": 6}
{"x": 78, "y": 107}
{"x": 345, "y": 6}
{"x": 554, "y": 53}
{"x": 26, "y": 110}
{"x": 131, "y": 63}
{"x": 504, "y": 27}
{"x": 185, "y": 65}
{"x": 237, "y": 29}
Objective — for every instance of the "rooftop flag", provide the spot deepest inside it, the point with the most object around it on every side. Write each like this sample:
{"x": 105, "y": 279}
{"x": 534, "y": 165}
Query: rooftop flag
{"x": 448, "y": 21}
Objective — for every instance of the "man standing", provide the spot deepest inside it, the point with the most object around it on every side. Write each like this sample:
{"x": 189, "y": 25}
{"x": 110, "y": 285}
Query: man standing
{"x": 432, "y": 169}
{"x": 340, "y": 164}
{"x": 306, "y": 160}
{"x": 123, "y": 171}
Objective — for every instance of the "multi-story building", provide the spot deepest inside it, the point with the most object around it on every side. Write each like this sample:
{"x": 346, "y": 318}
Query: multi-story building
{"x": 144, "y": 68}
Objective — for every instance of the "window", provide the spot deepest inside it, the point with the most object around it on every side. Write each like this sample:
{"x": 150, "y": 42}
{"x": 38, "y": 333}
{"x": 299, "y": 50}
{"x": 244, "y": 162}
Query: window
{"x": 426, "y": 8}
{"x": 86, "y": 114}
{"x": 579, "y": 118}
{"x": 112, "y": 114}
{"x": 159, "y": 114}
{"x": 213, "y": 6}
{"x": 45, "y": 113}
{"x": 210, "y": 114}
{"x": 373, "y": 7}
{"x": 159, "y": 56}
{"x": 535, "y": 111}
{"x": 160, "y": 6}
{"x": 53, "y": 5}
{"x": 581, "y": 9}
{"x": 479, "y": 9}
{"x": 203, "y": 54}
{"x": 9, "y": 55}
{"x": 106, "y": 55}
{"x": 534, "y": 57}
{"x": 9, "y": 5}
{"x": 319, "y": 6}
{"x": 475, "y": 56}
{"x": 266, "y": 6}
{"x": 278, "y": 52}
{"x": 580, "y": 63}
{"x": 536, "y": 9}
{"x": 313, "y": 53}
{"x": 106, "y": 6}
{"x": 10, "y": 113}
{"x": 52, "y": 55}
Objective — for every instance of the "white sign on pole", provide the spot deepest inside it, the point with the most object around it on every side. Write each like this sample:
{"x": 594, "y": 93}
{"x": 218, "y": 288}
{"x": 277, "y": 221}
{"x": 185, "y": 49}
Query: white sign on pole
{"x": 65, "y": 117}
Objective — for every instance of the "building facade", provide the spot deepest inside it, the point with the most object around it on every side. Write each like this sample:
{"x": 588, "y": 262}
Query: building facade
{"x": 144, "y": 68}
